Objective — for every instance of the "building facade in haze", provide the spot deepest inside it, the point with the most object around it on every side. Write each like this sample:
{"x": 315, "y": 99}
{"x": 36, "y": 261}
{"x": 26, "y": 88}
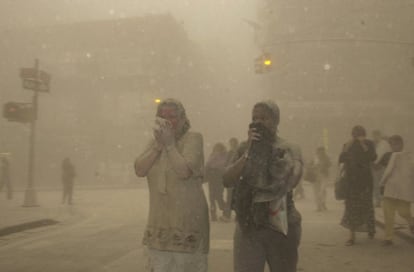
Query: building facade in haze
{"x": 105, "y": 77}
{"x": 337, "y": 64}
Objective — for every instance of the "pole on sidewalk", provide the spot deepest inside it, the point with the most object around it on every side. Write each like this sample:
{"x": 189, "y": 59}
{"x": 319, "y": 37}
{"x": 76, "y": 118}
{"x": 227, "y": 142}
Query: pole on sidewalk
{"x": 30, "y": 199}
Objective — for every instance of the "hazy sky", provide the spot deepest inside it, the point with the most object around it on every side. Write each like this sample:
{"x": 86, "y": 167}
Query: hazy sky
{"x": 202, "y": 18}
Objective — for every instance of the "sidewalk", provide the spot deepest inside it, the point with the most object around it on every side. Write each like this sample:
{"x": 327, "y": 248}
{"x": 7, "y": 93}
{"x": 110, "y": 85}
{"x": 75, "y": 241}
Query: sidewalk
{"x": 49, "y": 210}
{"x": 14, "y": 217}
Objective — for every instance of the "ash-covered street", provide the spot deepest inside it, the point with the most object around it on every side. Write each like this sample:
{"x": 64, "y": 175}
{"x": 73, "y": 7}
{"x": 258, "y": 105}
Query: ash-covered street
{"x": 102, "y": 231}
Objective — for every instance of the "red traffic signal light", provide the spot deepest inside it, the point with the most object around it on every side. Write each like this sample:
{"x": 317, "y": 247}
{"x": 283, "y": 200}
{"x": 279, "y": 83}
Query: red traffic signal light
{"x": 19, "y": 112}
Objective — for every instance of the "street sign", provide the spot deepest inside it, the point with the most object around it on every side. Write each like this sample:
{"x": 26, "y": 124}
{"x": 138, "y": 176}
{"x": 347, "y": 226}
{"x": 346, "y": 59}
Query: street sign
{"x": 35, "y": 85}
{"x": 34, "y": 79}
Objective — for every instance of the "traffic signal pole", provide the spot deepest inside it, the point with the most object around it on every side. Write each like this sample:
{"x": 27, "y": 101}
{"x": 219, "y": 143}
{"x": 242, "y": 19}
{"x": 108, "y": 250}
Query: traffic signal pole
{"x": 30, "y": 199}
{"x": 38, "y": 81}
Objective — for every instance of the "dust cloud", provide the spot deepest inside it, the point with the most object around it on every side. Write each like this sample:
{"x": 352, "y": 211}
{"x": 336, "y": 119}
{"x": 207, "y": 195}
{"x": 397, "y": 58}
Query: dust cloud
{"x": 335, "y": 64}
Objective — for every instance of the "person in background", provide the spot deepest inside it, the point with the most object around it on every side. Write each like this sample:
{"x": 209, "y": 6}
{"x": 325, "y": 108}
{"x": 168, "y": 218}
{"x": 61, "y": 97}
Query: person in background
{"x": 299, "y": 192}
{"x": 381, "y": 148}
{"x": 5, "y": 180}
{"x": 214, "y": 170}
{"x": 266, "y": 170}
{"x": 357, "y": 156}
{"x": 294, "y": 217}
{"x": 397, "y": 187}
{"x": 322, "y": 165}
{"x": 68, "y": 177}
{"x": 177, "y": 231}
{"x": 231, "y": 156}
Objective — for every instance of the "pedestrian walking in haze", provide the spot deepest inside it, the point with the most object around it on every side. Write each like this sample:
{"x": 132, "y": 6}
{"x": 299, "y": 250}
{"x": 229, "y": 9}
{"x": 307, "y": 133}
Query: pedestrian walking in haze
{"x": 214, "y": 171}
{"x": 68, "y": 178}
{"x": 177, "y": 231}
{"x": 357, "y": 156}
{"x": 231, "y": 157}
{"x": 397, "y": 187}
{"x": 5, "y": 180}
{"x": 321, "y": 164}
{"x": 381, "y": 148}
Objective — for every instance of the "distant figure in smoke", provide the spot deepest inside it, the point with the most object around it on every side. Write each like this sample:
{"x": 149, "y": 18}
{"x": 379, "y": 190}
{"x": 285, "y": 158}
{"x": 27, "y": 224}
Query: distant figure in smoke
{"x": 397, "y": 186}
{"x": 299, "y": 192}
{"x": 231, "y": 156}
{"x": 214, "y": 170}
{"x": 322, "y": 164}
{"x": 177, "y": 231}
{"x": 357, "y": 156}
{"x": 5, "y": 180}
{"x": 68, "y": 177}
{"x": 263, "y": 175}
{"x": 381, "y": 147}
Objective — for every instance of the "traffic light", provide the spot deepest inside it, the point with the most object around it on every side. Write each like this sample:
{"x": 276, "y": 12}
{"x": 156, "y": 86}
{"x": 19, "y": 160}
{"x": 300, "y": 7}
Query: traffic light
{"x": 19, "y": 112}
{"x": 263, "y": 63}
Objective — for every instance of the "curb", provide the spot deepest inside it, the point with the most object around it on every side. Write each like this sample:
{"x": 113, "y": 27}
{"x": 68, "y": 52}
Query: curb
{"x": 26, "y": 226}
